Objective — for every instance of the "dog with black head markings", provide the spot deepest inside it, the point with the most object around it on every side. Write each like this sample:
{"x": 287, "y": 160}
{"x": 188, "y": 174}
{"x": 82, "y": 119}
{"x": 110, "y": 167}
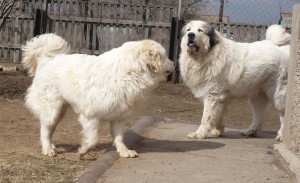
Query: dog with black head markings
{"x": 218, "y": 70}
{"x": 104, "y": 88}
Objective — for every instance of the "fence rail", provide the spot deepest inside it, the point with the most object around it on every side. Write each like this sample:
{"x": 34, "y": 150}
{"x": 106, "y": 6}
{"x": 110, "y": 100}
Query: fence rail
{"x": 89, "y": 26}
{"x": 94, "y": 27}
{"x": 139, "y": 12}
{"x": 242, "y": 32}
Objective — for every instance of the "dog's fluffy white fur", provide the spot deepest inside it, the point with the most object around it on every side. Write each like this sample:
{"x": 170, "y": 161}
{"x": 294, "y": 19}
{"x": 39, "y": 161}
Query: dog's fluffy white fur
{"x": 99, "y": 88}
{"x": 218, "y": 70}
{"x": 278, "y": 35}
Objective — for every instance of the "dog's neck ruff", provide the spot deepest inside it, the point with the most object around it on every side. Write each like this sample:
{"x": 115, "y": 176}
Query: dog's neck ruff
{"x": 197, "y": 55}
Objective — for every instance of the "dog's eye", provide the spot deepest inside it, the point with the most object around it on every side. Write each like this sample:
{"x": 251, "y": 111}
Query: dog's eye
{"x": 200, "y": 30}
{"x": 188, "y": 29}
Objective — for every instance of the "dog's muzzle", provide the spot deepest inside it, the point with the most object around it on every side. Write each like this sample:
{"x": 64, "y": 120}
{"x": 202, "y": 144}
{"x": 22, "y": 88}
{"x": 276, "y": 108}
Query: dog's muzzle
{"x": 169, "y": 65}
{"x": 191, "y": 41}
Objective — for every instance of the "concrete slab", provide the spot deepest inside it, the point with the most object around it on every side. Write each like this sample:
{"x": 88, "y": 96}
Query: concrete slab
{"x": 104, "y": 162}
{"x": 167, "y": 155}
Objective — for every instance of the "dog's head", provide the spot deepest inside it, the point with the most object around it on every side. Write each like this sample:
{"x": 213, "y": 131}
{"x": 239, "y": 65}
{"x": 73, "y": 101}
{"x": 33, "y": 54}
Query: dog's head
{"x": 199, "y": 38}
{"x": 154, "y": 56}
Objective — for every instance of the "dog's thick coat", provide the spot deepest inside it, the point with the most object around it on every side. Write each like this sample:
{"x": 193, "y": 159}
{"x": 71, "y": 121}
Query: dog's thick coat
{"x": 278, "y": 35}
{"x": 217, "y": 70}
{"x": 99, "y": 88}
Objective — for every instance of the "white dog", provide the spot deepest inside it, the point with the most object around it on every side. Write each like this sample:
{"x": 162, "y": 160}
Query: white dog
{"x": 278, "y": 35}
{"x": 99, "y": 88}
{"x": 217, "y": 70}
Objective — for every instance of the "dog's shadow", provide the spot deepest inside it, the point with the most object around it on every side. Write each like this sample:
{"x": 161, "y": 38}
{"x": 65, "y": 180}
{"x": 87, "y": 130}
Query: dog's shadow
{"x": 146, "y": 144}
{"x": 235, "y": 134}
{"x": 154, "y": 145}
{"x": 92, "y": 153}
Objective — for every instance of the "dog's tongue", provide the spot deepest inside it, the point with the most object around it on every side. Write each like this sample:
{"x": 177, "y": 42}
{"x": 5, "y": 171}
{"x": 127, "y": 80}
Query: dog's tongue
{"x": 192, "y": 45}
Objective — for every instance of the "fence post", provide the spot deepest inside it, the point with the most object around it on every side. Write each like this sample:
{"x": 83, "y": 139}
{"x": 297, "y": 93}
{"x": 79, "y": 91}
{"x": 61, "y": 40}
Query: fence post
{"x": 16, "y": 55}
{"x": 40, "y": 21}
{"x": 173, "y": 48}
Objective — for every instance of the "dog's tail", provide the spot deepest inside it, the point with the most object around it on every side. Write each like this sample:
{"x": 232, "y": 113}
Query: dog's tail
{"x": 278, "y": 35}
{"x": 41, "y": 49}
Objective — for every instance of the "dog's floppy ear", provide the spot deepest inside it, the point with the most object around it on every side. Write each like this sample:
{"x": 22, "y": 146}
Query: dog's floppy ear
{"x": 182, "y": 31}
{"x": 152, "y": 56}
{"x": 213, "y": 37}
{"x": 153, "y": 61}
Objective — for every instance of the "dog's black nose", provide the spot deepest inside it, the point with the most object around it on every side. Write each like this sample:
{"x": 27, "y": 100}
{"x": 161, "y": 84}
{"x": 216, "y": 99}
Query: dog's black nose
{"x": 191, "y": 35}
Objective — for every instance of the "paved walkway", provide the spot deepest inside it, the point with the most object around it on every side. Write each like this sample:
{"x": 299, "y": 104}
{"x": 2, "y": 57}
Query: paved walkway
{"x": 167, "y": 155}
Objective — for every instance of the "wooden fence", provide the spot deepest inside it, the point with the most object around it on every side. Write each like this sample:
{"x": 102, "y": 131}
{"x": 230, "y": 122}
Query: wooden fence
{"x": 242, "y": 32}
{"x": 94, "y": 27}
{"x": 91, "y": 27}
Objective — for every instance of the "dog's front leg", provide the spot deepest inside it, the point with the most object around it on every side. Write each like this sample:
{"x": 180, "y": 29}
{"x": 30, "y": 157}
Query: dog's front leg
{"x": 211, "y": 119}
{"x": 117, "y": 130}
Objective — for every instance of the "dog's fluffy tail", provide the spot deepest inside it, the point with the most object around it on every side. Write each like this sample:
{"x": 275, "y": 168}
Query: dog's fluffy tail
{"x": 41, "y": 49}
{"x": 278, "y": 35}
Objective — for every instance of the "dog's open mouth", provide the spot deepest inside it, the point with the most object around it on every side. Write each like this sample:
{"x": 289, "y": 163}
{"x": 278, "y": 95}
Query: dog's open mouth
{"x": 192, "y": 45}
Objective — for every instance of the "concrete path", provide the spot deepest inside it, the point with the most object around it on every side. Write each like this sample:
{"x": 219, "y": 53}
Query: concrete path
{"x": 167, "y": 155}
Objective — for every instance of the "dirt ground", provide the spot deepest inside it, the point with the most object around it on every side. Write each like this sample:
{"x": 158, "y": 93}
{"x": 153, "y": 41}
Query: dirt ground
{"x": 20, "y": 153}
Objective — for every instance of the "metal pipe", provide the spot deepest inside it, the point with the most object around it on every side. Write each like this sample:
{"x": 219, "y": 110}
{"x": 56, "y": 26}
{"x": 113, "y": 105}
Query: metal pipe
{"x": 179, "y": 9}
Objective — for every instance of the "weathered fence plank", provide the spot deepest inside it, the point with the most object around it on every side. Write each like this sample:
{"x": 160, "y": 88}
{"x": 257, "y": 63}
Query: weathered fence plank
{"x": 95, "y": 27}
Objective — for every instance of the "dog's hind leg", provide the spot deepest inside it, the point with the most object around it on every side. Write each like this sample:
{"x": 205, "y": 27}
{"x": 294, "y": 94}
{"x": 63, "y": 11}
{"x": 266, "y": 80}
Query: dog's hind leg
{"x": 90, "y": 134}
{"x": 117, "y": 130}
{"x": 49, "y": 121}
{"x": 278, "y": 98}
{"x": 279, "y": 103}
{"x": 280, "y": 131}
{"x": 259, "y": 104}
{"x": 211, "y": 119}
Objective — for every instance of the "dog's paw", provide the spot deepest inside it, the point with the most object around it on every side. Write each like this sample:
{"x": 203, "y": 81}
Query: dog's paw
{"x": 49, "y": 152}
{"x": 128, "y": 153}
{"x": 216, "y": 133}
{"x": 279, "y": 137}
{"x": 245, "y": 132}
{"x": 82, "y": 150}
{"x": 249, "y": 132}
{"x": 194, "y": 135}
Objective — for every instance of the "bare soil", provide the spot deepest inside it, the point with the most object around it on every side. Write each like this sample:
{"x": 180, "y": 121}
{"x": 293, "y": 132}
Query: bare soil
{"x": 20, "y": 153}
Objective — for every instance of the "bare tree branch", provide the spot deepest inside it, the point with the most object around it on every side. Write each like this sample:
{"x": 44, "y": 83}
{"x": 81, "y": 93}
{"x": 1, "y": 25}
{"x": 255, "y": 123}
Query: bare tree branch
{"x": 6, "y": 7}
{"x": 193, "y": 6}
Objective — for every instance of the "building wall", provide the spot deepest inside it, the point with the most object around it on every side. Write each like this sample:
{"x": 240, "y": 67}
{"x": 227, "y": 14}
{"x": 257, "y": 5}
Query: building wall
{"x": 291, "y": 136}
{"x": 287, "y": 18}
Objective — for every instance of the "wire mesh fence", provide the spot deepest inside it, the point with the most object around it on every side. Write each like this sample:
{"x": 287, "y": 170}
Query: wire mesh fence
{"x": 254, "y": 12}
